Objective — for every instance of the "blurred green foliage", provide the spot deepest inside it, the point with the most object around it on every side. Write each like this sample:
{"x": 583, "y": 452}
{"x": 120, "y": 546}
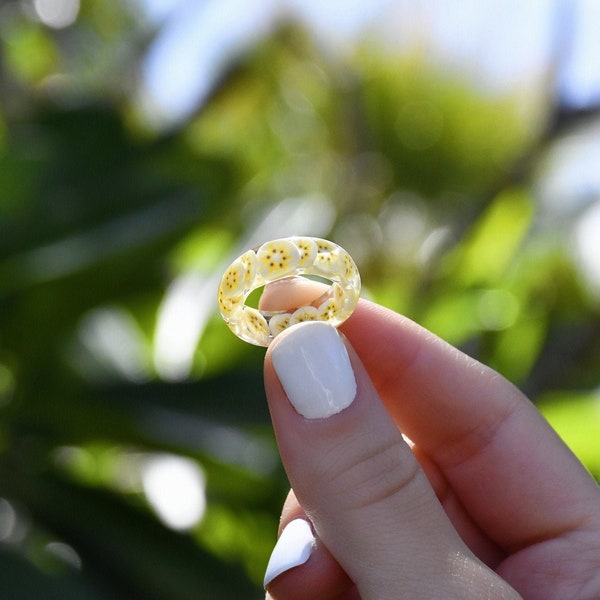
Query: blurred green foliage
{"x": 112, "y": 240}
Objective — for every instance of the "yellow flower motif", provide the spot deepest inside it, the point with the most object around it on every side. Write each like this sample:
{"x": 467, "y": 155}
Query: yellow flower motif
{"x": 278, "y": 323}
{"x": 277, "y": 259}
{"x": 308, "y": 251}
{"x": 253, "y": 327}
{"x": 228, "y": 305}
{"x": 327, "y": 261}
{"x": 325, "y": 245}
{"x": 331, "y": 309}
{"x": 248, "y": 259}
{"x": 350, "y": 270}
{"x": 233, "y": 282}
{"x": 306, "y": 313}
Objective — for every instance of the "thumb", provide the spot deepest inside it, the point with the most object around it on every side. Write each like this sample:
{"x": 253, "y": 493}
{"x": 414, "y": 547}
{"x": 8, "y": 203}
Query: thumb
{"x": 357, "y": 480}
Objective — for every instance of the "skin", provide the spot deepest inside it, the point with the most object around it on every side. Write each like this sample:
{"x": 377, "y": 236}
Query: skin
{"x": 441, "y": 480}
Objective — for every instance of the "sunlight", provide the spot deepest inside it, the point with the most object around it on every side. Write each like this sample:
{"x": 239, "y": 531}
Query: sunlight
{"x": 65, "y": 553}
{"x": 187, "y": 306}
{"x": 113, "y": 338}
{"x": 7, "y": 385}
{"x": 8, "y": 520}
{"x": 587, "y": 246}
{"x": 57, "y": 13}
{"x": 175, "y": 489}
{"x": 571, "y": 178}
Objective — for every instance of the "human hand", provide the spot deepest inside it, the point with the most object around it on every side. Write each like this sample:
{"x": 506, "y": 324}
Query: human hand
{"x": 483, "y": 500}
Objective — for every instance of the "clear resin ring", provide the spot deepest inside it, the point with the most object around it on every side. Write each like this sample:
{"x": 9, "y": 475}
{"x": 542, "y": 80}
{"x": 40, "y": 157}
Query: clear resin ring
{"x": 280, "y": 259}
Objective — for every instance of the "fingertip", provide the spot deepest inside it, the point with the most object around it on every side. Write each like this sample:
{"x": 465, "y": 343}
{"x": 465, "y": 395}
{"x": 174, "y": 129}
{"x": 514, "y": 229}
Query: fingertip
{"x": 289, "y": 293}
{"x": 294, "y": 547}
{"x": 320, "y": 576}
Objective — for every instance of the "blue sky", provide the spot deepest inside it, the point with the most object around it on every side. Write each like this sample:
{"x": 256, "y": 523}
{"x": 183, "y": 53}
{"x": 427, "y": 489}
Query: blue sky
{"x": 501, "y": 43}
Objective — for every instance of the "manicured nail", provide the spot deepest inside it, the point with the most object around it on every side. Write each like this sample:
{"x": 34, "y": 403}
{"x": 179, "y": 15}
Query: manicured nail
{"x": 293, "y": 548}
{"x": 314, "y": 368}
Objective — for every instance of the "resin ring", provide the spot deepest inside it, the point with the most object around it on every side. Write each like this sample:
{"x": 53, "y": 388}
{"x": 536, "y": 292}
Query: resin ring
{"x": 280, "y": 259}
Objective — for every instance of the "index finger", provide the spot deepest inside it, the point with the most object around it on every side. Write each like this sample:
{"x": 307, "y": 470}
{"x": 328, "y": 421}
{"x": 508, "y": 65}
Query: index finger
{"x": 509, "y": 469}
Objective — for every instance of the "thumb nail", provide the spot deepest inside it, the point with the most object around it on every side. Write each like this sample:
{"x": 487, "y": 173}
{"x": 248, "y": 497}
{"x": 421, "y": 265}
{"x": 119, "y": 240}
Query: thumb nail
{"x": 314, "y": 368}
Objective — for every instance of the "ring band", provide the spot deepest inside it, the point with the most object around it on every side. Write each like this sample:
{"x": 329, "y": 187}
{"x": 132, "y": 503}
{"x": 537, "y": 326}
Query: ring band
{"x": 281, "y": 259}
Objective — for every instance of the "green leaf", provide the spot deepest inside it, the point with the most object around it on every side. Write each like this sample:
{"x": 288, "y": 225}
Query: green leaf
{"x": 493, "y": 243}
{"x": 576, "y": 418}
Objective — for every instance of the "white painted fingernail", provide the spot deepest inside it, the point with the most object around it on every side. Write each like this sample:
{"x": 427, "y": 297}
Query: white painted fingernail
{"x": 293, "y": 548}
{"x": 314, "y": 368}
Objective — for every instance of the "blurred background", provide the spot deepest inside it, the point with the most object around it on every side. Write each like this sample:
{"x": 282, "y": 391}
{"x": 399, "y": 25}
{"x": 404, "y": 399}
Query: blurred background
{"x": 453, "y": 148}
